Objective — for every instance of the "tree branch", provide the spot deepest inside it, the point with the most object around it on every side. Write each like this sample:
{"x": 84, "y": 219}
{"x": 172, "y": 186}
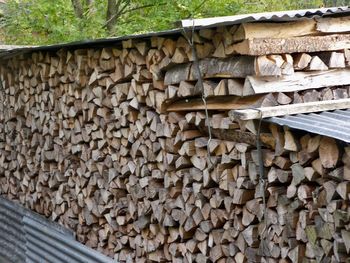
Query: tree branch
{"x": 123, "y": 11}
{"x": 198, "y": 7}
{"x": 138, "y": 8}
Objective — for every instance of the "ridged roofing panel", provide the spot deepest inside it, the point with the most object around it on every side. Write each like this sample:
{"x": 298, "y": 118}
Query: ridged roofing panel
{"x": 27, "y": 237}
{"x": 335, "y": 124}
{"x": 282, "y": 16}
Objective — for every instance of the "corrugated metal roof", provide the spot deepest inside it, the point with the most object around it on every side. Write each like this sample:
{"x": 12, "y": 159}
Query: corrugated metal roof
{"x": 199, "y": 24}
{"x": 335, "y": 124}
{"x": 282, "y": 16}
{"x": 28, "y": 237}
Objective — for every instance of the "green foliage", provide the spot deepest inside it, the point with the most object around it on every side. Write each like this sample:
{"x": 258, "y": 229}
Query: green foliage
{"x": 54, "y": 21}
{"x": 44, "y": 22}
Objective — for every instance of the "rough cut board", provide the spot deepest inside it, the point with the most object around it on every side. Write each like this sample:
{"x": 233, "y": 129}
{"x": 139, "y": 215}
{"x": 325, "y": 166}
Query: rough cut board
{"x": 265, "y": 46}
{"x": 217, "y": 103}
{"x": 267, "y": 112}
{"x": 296, "y": 82}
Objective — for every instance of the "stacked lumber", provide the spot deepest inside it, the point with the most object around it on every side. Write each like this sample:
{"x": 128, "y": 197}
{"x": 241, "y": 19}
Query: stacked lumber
{"x": 114, "y": 144}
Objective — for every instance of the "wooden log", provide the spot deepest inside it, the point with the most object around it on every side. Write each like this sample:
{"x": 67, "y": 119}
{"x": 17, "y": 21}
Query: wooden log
{"x": 333, "y": 59}
{"x": 317, "y": 64}
{"x": 267, "y": 67}
{"x": 329, "y": 152}
{"x": 283, "y": 99}
{"x": 301, "y": 61}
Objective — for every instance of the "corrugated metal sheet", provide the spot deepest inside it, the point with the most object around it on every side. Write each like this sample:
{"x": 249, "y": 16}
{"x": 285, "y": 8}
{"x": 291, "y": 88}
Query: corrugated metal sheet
{"x": 8, "y": 51}
{"x": 268, "y": 16}
{"x": 28, "y": 237}
{"x": 335, "y": 124}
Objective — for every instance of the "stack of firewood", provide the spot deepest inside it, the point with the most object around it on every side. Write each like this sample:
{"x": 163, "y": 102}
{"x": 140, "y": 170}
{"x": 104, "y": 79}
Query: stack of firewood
{"x": 114, "y": 144}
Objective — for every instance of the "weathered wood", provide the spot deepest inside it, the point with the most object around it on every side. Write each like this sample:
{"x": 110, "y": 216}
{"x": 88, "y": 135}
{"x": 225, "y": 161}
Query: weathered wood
{"x": 333, "y": 24}
{"x": 283, "y": 99}
{"x": 177, "y": 74}
{"x": 301, "y": 61}
{"x": 329, "y": 152}
{"x": 220, "y": 103}
{"x": 267, "y": 67}
{"x": 333, "y": 59}
{"x": 275, "y": 30}
{"x": 265, "y": 46}
{"x": 234, "y": 67}
{"x": 85, "y": 142}
{"x": 298, "y": 81}
{"x": 251, "y": 114}
{"x": 317, "y": 64}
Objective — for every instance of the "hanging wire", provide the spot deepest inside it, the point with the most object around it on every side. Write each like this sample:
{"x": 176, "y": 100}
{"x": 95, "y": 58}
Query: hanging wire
{"x": 262, "y": 180}
{"x": 200, "y": 83}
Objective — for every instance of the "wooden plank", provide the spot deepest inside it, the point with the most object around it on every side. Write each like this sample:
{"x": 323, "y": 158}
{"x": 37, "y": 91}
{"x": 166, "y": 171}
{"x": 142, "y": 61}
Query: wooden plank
{"x": 275, "y": 30}
{"x": 333, "y": 25}
{"x": 296, "y": 82}
{"x": 219, "y": 103}
{"x": 267, "y": 112}
{"x": 266, "y": 46}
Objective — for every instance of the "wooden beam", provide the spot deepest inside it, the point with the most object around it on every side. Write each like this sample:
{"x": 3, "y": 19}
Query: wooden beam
{"x": 266, "y": 46}
{"x": 222, "y": 103}
{"x": 267, "y": 112}
{"x": 296, "y": 82}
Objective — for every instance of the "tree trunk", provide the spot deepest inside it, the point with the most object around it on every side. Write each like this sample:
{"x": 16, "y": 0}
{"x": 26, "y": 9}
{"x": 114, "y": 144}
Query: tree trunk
{"x": 78, "y": 8}
{"x": 112, "y": 10}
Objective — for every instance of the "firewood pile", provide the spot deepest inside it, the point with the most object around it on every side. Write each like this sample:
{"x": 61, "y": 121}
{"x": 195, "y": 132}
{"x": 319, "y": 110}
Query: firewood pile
{"x": 114, "y": 144}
